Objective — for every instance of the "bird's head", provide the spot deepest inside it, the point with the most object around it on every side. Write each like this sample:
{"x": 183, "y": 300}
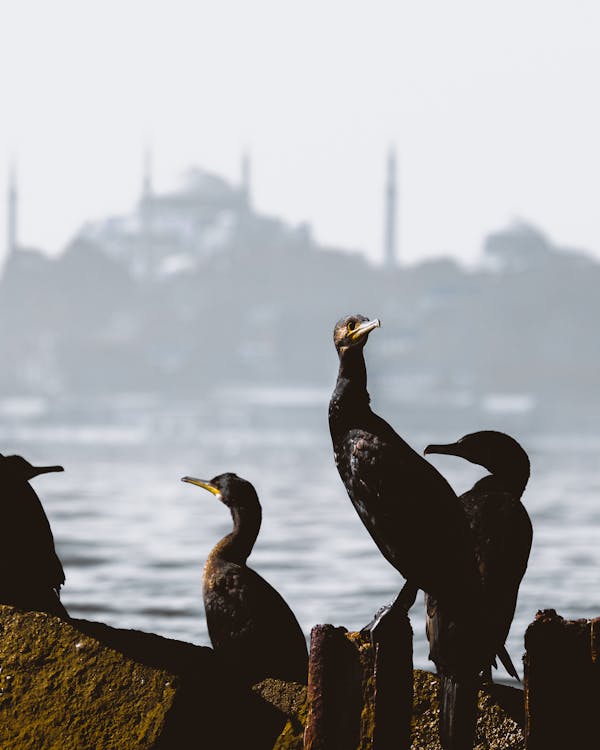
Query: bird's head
{"x": 18, "y": 468}
{"x": 496, "y": 451}
{"x": 353, "y": 331}
{"x": 230, "y": 489}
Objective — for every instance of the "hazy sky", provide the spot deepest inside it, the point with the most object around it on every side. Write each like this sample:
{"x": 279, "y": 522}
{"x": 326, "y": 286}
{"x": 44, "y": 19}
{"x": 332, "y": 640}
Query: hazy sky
{"x": 493, "y": 108}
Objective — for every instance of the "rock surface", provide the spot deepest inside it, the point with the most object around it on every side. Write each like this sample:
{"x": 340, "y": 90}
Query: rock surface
{"x": 86, "y": 686}
{"x": 291, "y": 699}
{"x": 499, "y": 725}
{"x": 83, "y": 685}
{"x": 500, "y": 721}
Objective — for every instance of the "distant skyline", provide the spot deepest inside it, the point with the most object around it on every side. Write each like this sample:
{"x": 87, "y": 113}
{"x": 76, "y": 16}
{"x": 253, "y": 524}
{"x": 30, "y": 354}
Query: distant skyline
{"x": 491, "y": 108}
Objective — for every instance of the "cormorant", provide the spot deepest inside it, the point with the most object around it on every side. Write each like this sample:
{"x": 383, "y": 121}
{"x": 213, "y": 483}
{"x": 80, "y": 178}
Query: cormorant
{"x": 31, "y": 572}
{"x": 250, "y": 625}
{"x": 500, "y": 524}
{"x": 416, "y": 520}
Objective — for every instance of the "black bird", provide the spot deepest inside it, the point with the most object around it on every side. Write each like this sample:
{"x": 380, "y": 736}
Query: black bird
{"x": 31, "y": 573}
{"x": 500, "y": 524}
{"x": 249, "y": 623}
{"x": 417, "y": 522}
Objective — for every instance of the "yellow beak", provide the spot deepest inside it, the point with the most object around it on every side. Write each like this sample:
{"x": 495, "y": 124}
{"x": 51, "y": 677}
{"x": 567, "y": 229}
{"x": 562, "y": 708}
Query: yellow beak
{"x": 202, "y": 483}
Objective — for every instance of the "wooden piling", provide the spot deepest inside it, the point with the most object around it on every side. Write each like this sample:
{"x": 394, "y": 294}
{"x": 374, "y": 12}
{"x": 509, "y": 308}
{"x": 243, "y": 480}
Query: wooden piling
{"x": 561, "y": 682}
{"x": 393, "y": 698}
{"x": 358, "y": 699}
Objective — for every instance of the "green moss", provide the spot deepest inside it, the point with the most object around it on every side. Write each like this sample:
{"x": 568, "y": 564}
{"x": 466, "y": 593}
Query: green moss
{"x": 362, "y": 643}
{"x": 499, "y": 724}
{"x": 60, "y": 688}
{"x": 291, "y": 738}
{"x": 290, "y": 698}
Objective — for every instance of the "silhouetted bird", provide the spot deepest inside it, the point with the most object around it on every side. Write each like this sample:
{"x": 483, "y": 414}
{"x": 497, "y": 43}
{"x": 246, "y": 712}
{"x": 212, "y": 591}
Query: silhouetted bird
{"x": 418, "y": 524}
{"x": 250, "y": 625}
{"x": 31, "y": 573}
{"x": 500, "y": 524}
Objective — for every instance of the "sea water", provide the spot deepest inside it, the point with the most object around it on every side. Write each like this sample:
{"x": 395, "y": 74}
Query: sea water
{"x": 133, "y": 538}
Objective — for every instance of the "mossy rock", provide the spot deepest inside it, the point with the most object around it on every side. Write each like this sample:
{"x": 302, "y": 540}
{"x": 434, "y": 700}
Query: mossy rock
{"x": 499, "y": 724}
{"x": 500, "y": 719}
{"x": 82, "y": 685}
{"x": 290, "y": 698}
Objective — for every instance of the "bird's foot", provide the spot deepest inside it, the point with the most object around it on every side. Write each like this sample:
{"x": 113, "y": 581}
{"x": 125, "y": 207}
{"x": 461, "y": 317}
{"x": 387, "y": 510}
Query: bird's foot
{"x": 371, "y": 627}
{"x": 386, "y": 618}
{"x": 376, "y": 617}
{"x": 406, "y": 598}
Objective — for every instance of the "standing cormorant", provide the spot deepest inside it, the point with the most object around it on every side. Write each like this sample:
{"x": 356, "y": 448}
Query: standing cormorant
{"x": 417, "y": 522}
{"x": 250, "y": 625}
{"x": 31, "y": 573}
{"x": 500, "y": 524}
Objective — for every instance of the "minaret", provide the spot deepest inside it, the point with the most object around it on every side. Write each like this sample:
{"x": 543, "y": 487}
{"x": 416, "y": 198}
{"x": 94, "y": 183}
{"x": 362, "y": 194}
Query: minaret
{"x": 144, "y": 260}
{"x": 389, "y": 241}
{"x": 147, "y": 188}
{"x": 245, "y": 180}
{"x": 12, "y": 200}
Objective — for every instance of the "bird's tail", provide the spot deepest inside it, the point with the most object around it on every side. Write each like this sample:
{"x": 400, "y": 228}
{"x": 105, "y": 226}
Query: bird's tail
{"x": 458, "y": 712}
{"x": 507, "y": 663}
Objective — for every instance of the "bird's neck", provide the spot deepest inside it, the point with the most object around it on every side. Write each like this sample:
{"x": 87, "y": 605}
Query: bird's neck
{"x": 512, "y": 479}
{"x": 351, "y": 385}
{"x": 516, "y": 479}
{"x": 237, "y": 546}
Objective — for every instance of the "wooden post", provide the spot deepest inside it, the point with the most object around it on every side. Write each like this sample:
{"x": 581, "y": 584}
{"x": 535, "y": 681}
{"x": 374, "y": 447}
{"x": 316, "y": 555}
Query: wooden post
{"x": 561, "y": 686}
{"x": 595, "y": 647}
{"x": 334, "y": 691}
{"x": 358, "y": 700}
{"x": 393, "y": 683}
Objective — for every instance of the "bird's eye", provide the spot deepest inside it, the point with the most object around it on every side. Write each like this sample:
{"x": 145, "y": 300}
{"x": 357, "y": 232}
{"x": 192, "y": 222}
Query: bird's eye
{"x": 351, "y": 325}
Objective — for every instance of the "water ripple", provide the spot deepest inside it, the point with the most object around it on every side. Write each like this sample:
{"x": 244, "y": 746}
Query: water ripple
{"x": 133, "y": 538}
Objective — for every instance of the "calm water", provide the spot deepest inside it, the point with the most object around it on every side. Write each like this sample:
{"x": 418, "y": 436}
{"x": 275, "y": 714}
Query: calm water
{"x": 133, "y": 538}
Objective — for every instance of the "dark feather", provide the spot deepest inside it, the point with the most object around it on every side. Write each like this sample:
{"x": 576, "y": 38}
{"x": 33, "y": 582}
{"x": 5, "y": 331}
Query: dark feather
{"x": 416, "y": 521}
{"x": 32, "y": 573}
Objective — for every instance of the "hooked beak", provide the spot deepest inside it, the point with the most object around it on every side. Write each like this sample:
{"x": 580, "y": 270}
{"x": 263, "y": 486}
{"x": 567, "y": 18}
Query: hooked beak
{"x": 451, "y": 449}
{"x": 204, "y": 484}
{"x": 365, "y": 328}
{"x": 37, "y": 470}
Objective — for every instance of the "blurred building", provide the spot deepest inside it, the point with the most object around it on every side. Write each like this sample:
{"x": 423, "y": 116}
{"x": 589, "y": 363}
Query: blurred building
{"x": 175, "y": 230}
{"x": 179, "y": 230}
{"x": 196, "y": 289}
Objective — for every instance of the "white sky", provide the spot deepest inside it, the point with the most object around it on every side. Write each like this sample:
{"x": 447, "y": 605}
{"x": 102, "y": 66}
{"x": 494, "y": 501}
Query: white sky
{"x": 493, "y": 107}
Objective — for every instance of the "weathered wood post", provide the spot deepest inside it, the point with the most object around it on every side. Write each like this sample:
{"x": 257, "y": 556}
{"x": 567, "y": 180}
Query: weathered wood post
{"x": 595, "y": 648}
{"x": 358, "y": 699}
{"x": 561, "y": 683}
{"x": 394, "y": 680}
